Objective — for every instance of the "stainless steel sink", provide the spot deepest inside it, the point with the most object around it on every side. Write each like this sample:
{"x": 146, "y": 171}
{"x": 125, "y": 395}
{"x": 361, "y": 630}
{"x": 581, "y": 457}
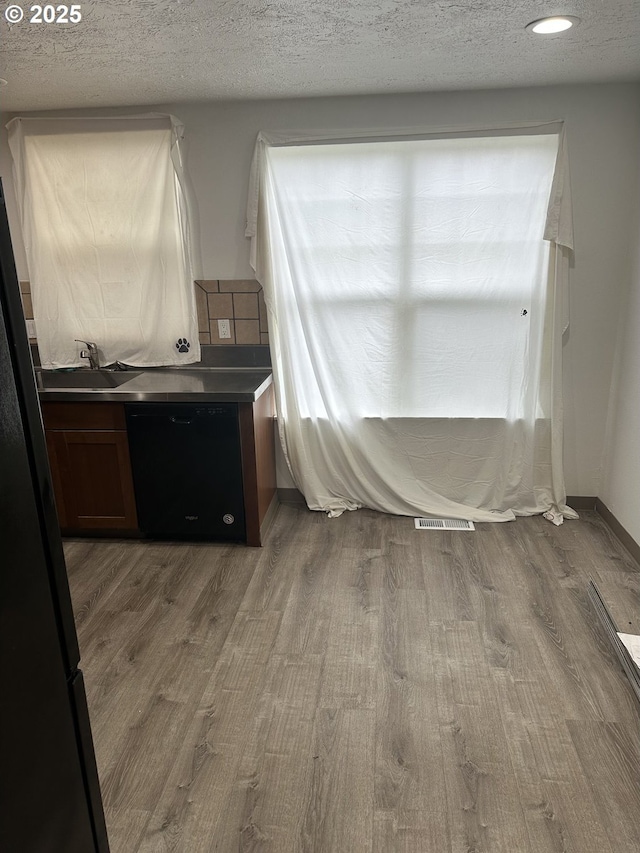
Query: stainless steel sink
{"x": 91, "y": 380}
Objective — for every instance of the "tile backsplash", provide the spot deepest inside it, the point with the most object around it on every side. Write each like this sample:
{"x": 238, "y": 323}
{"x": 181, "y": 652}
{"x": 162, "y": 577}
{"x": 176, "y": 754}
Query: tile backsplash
{"x": 240, "y": 301}
{"x": 27, "y": 307}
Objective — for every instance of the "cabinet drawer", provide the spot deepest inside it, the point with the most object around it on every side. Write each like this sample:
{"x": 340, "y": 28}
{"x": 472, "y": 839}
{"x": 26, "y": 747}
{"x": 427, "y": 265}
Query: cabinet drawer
{"x": 83, "y": 416}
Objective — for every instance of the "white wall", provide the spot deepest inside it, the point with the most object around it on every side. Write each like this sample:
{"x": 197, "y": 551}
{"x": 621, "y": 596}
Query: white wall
{"x": 603, "y": 130}
{"x": 621, "y": 477}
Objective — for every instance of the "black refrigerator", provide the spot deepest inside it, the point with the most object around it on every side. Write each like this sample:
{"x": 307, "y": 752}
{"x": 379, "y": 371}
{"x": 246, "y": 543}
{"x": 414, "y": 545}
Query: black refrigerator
{"x": 49, "y": 791}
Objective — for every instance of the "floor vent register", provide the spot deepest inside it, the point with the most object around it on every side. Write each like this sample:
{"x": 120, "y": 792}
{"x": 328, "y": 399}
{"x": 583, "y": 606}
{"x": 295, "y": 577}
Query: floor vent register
{"x": 443, "y": 524}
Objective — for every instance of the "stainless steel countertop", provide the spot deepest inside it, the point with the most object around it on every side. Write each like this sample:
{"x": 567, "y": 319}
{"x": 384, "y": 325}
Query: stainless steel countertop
{"x": 180, "y": 385}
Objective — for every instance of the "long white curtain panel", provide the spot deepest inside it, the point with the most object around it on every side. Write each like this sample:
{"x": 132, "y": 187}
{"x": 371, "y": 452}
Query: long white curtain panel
{"x": 416, "y": 314}
{"x": 107, "y": 236}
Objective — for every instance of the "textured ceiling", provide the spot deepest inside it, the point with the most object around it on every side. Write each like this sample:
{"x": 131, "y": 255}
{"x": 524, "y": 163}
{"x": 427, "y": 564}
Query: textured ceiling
{"x": 128, "y": 52}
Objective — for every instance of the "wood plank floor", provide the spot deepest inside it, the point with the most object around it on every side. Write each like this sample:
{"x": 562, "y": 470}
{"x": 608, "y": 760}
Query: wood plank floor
{"x": 357, "y": 685}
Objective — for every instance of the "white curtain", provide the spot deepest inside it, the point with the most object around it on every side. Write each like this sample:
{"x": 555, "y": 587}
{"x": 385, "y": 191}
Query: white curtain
{"x": 107, "y": 235}
{"x": 416, "y": 316}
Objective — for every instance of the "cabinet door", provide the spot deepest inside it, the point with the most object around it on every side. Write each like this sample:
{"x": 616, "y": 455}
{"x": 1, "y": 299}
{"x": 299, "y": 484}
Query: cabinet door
{"x": 92, "y": 479}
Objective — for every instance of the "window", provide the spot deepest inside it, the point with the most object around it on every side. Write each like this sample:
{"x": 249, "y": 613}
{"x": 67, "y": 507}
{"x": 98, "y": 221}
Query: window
{"x": 417, "y": 270}
{"x": 106, "y": 235}
{"x": 415, "y": 293}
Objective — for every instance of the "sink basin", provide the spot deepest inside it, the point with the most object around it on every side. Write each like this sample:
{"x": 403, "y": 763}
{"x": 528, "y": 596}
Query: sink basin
{"x": 91, "y": 380}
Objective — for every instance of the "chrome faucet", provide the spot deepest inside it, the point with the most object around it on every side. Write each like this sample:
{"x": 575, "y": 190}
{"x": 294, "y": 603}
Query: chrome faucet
{"x": 91, "y": 353}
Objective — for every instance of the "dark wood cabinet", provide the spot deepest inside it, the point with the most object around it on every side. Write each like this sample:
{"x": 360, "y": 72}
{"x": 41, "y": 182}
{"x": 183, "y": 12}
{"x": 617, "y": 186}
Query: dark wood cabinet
{"x": 91, "y": 468}
{"x": 91, "y": 471}
{"x": 258, "y": 465}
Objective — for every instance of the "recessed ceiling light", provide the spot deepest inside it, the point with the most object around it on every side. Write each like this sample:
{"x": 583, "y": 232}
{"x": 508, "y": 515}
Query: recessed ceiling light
{"x": 548, "y": 26}
{"x": 3, "y": 82}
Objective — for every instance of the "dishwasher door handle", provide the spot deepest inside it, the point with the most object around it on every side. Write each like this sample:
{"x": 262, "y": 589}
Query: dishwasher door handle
{"x": 157, "y": 417}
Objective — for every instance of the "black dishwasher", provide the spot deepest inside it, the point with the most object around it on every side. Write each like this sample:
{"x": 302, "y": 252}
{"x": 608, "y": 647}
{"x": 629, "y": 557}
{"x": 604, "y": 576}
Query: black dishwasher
{"x": 187, "y": 469}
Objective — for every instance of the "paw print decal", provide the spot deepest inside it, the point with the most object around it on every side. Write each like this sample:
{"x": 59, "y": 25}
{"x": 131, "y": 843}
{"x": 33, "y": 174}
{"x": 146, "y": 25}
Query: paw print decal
{"x": 183, "y": 345}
